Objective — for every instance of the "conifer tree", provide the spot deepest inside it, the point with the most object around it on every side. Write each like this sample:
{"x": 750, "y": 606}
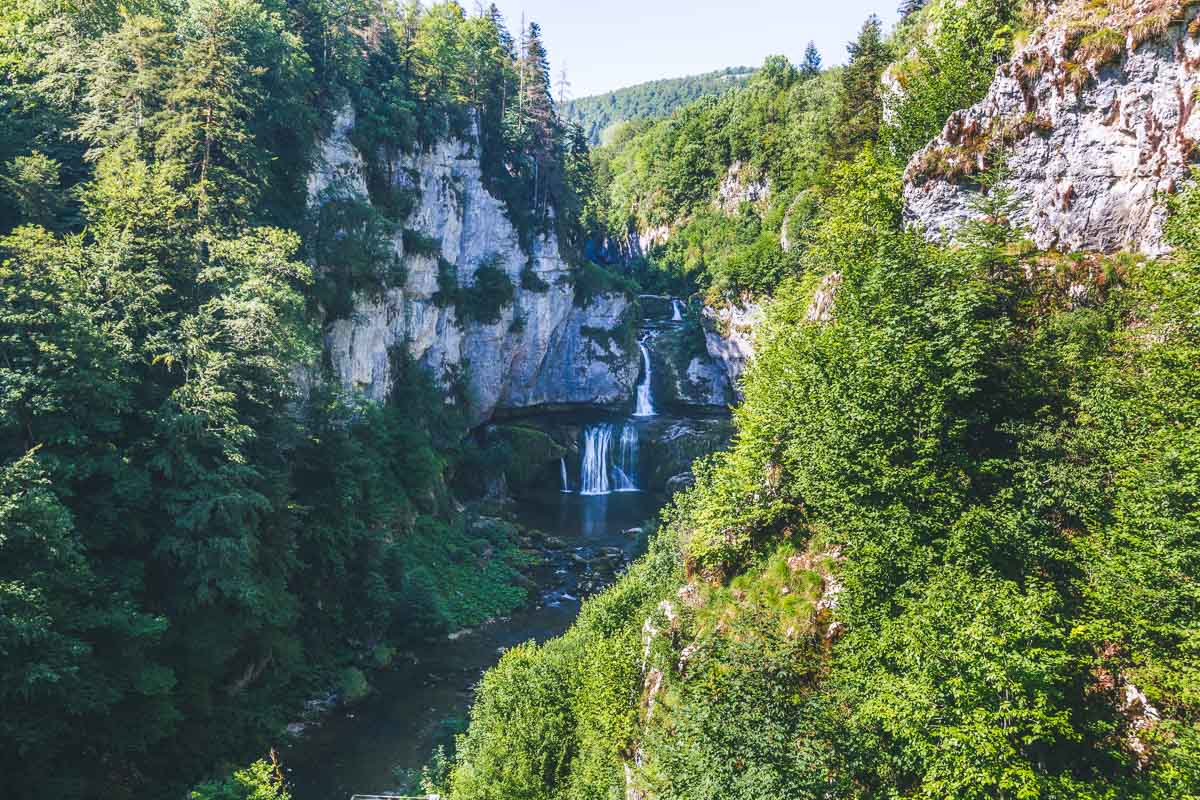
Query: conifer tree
{"x": 810, "y": 67}
{"x": 861, "y": 95}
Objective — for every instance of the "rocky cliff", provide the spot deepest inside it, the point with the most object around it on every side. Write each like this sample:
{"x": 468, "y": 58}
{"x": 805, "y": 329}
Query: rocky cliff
{"x": 1096, "y": 117}
{"x": 545, "y": 349}
{"x": 729, "y": 336}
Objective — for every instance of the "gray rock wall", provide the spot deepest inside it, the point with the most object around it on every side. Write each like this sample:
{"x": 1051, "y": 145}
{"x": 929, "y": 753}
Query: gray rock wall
{"x": 1092, "y": 141}
{"x": 544, "y": 349}
{"x": 729, "y": 337}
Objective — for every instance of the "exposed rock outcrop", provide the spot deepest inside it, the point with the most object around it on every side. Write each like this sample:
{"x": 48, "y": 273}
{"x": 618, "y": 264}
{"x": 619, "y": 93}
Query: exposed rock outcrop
{"x": 1097, "y": 117}
{"x": 545, "y": 350}
{"x": 739, "y": 186}
{"x": 729, "y": 337}
{"x": 685, "y": 375}
{"x": 820, "y": 310}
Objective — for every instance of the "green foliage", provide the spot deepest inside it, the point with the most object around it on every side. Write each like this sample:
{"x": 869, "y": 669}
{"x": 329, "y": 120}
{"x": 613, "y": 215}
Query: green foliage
{"x": 600, "y": 114}
{"x": 591, "y": 281}
{"x": 481, "y": 302}
{"x": 354, "y": 246}
{"x": 259, "y": 781}
{"x": 950, "y": 70}
{"x": 33, "y": 184}
{"x": 352, "y": 685}
{"x": 553, "y": 721}
{"x": 956, "y": 534}
{"x": 667, "y": 174}
{"x": 532, "y": 282}
{"x": 196, "y": 530}
{"x": 417, "y": 243}
{"x": 860, "y": 110}
{"x": 486, "y": 298}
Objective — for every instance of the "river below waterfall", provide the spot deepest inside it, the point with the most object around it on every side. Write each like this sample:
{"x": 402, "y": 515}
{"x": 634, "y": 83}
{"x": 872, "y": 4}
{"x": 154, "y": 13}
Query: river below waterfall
{"x": 378, "y": 745}
{"x": 419, "y": 704}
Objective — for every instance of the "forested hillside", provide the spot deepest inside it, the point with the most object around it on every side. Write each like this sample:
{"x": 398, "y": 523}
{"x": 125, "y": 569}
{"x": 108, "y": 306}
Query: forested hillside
{"x": 953, "y": 550}
{"x": 199, "y": 528}
{"x": 598, "y": 114}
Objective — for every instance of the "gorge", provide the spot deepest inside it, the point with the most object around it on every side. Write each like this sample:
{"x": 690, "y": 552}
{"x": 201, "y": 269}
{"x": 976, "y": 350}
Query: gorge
{"x": 583, "y": 529}
{"x": 828, "y": 432}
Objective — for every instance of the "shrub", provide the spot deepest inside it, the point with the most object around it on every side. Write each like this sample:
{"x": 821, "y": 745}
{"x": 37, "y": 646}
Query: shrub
{"x": 355, "y": 253}
{"x": 484, "y": 300}
{"x": 592, "y": 280}
{"x": 532, "y": 282}
{"x": 417, "y": 243}
{"x": 352, "y": 685}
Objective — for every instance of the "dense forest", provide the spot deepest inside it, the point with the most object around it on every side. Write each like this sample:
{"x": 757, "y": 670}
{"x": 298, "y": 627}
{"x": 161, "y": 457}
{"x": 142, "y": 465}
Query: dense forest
{"x": 193, "y": 540}
{"x": 599, "y": 114}
{"x": 953, "y": 550}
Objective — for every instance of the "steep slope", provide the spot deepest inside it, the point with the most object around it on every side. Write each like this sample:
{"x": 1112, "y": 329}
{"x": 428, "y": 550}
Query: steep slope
{"x": 1094, "y": 117}
{"x": 952, "y": 552}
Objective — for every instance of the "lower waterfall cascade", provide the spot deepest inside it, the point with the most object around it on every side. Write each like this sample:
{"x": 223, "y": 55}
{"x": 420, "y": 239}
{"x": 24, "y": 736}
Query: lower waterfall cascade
{"x": 604, "y": 469}
{"x": 625, "y": 470}
{"x": 593, "y": 470}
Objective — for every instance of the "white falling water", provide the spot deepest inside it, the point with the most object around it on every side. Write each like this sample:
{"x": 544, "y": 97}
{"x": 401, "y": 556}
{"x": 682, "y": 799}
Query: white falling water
{"x": 593, "y": 477}
{"x": 677, "y": 309}
{"x": 566, "y": 483}
{"x": 645, "y": 404}
{"x": 625, "y": 470}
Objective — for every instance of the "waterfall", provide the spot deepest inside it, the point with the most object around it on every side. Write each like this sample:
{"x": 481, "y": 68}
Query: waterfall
{"x": 645, "y": 404}
{"x": 625, "y": 470}
{"x": 677, "y": 310}
{"x": 593, "y": 477}
{"x": 566, "y": 483}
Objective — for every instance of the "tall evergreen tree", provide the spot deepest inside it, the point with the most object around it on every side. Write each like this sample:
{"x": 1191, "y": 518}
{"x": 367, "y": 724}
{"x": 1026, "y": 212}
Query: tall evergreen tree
{"x": 810, "y": 67}
{"x": 860, "y": 114}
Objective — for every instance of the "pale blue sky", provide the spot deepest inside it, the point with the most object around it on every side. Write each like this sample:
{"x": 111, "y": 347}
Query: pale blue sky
{"x": 617, "y": 43}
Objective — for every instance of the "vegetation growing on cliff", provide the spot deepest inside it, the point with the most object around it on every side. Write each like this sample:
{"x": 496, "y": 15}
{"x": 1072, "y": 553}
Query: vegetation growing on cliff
{"x": 731, "y": 184}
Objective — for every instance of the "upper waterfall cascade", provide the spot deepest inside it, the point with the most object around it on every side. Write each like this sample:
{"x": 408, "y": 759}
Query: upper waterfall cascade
{"x": 645, "y": 403}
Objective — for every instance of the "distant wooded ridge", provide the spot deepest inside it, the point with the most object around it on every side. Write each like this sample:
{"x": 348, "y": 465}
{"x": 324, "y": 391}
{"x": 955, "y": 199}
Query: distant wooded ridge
{"x": 652, "y": 100}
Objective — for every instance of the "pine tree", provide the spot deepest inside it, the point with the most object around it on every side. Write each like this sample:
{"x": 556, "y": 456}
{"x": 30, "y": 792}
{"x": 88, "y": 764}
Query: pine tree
{"x": 860, "y": 114}
{"x": 129, "y": 76}
{"x": 811, "y": 66}
{"x": 910, "y": 7}
{"x": 206, "y": 125}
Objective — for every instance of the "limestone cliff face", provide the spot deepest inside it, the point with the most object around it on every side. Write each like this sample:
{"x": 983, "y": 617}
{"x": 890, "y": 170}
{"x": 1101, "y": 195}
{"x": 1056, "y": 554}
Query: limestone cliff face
{"x": 544, "y": 351}
{"x": 741, "y": 185}
{"x": 729, "y": 336}
{"x": 1098, "y": 119}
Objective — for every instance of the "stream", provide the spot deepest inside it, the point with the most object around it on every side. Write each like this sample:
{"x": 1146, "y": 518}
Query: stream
{"x": 376, "y": 746}
{"x": 419, "y": 705}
